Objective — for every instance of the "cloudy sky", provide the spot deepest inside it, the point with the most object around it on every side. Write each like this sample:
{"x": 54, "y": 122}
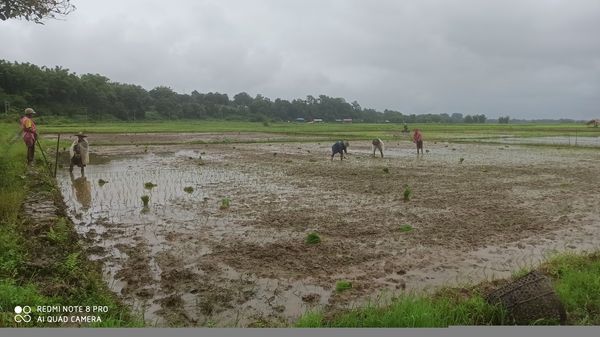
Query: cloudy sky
{"x": 527, "y": 59}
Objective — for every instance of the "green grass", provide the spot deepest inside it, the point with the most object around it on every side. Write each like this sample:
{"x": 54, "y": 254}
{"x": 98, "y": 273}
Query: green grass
{"x": 577, "y": 282}
{"x": 59, "y": 233}
{"x": 331, "y": 131}
{"x": 411, "y": 311}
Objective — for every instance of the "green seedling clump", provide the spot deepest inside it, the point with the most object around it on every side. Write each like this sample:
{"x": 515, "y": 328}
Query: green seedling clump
{"x": 461, "y": 160}
{"x": 343, "y": 286}
{"x": 386, "y": 170}
{"x": 149, "y": 185}
{"x": 188, "y": 189}
{"x": 406, "y": 228}
{"x": 101, "y": 182}
{"x": 313, "y": 238}
{"x": 225, "y": 203}
{"x": 145, "y": 200}
{"x": 407, "y": 193}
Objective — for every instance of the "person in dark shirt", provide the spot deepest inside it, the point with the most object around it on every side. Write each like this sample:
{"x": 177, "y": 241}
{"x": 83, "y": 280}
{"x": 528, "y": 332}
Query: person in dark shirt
{"x": 340, "y": 147}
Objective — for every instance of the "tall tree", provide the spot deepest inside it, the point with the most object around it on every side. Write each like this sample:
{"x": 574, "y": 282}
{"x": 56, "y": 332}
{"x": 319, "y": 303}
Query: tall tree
{"x": 34, "y": 10}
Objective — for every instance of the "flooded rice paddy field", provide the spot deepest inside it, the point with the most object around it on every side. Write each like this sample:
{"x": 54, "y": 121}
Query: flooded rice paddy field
{"x": 184, "y": 260}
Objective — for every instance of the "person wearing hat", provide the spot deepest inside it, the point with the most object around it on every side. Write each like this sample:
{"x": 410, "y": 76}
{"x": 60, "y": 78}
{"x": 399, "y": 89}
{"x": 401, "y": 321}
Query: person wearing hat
{"x": 29, "y": 133}
{"x": 79, "y": 152}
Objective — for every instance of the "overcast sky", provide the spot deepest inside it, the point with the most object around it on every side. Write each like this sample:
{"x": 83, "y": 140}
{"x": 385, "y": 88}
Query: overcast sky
{"x": 526, "y": 59}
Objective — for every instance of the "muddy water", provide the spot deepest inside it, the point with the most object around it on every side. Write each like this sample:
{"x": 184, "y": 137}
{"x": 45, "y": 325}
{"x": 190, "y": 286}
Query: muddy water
{"x": 168, "y": 238}
{"x": 185, "y": 261}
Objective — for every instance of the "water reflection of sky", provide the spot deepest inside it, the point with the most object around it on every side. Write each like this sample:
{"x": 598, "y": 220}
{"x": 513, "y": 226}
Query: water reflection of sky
{"x": 119, "y": 200}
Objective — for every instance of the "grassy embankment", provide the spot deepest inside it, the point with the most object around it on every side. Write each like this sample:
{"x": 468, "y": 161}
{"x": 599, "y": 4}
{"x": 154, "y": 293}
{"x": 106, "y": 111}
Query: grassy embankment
{"x": 576, "y": 279}
{"x": 43, "y": 264}
{"x": 333, "y": 131}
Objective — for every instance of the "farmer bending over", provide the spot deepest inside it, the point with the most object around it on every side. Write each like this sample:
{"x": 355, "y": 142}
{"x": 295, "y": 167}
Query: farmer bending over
{"x": 377, "y": 145}
{"x": 340, "y": 147}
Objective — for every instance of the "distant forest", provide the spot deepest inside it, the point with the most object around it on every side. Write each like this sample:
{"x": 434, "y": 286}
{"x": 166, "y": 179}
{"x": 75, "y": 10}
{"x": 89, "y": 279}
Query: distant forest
{"x": 59, "y": 92}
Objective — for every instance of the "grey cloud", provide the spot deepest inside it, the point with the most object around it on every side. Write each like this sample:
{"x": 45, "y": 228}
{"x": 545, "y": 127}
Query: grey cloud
{"x": 531, "y": 59}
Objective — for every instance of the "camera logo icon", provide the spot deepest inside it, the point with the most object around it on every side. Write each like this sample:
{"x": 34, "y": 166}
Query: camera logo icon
{"x": 22, "y": 314}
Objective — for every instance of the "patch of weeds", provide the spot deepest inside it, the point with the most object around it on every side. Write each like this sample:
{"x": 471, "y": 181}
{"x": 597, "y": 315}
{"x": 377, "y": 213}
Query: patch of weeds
{"x": 225, "y": 203}
{"x": 460, "y": 161}
{"x": 520, "y": 273}
{"x": 145, "y": 200}
{"x": 386, "y": 170}
{"x": 407, "y": 193}
{"x": 188, "y": 189}
{"x": 102, "y": 182}
{"x": 59, "y": 233}
{"x": 343, "y": 286}
{"x": 313, "y": 238}
{"x": 406, "y": 228}
{"x": 71, "y": 264}
{"x": 577, "y": 284}
{"x": 149, "y": 185}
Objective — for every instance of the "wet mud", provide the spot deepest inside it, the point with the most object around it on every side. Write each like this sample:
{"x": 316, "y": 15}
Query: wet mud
{"x": 189, "y": 259}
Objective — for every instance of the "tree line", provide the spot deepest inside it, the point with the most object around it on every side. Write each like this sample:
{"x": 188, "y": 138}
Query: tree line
{"x": 60, "y": 92}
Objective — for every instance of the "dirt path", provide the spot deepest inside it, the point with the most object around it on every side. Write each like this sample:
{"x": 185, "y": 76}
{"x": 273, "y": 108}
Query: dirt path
{"x": 186, "y": 261}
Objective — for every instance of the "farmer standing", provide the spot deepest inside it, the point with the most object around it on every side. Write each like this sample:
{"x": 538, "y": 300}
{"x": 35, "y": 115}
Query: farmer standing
{"x": 79, "y": 152}
{"x": 418, "y": 139}
{"x": 29, "y": 133}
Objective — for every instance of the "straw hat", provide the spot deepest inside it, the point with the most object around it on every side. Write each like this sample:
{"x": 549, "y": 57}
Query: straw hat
{"x": 30, "y": 111}
{"x": 81, "y": 135}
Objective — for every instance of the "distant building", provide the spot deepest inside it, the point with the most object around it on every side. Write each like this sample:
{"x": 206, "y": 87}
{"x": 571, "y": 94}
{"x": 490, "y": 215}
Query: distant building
{"x": 347, "y": 120}
{"x": 318, "y": 120}
{"x": 300, "y": 119}
{"x": 338, "y": 120}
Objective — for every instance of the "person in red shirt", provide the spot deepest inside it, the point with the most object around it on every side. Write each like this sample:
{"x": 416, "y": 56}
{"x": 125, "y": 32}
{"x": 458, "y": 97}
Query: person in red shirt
{"x": 29, "y": 133}
{"x": 418, "y": 139}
